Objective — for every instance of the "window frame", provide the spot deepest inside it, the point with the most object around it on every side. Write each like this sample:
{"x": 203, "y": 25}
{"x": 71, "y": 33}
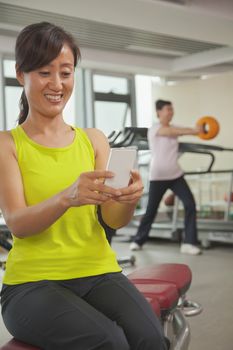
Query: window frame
{"x": 129, "y": 98}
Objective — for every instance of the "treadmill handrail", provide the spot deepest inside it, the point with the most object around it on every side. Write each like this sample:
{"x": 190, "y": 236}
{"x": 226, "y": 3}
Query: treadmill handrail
{"x": 117, "y": 134}
{"x": 209, "y": 168}
{"x": 127, "y": 136}
{"x": 201, "y": 146}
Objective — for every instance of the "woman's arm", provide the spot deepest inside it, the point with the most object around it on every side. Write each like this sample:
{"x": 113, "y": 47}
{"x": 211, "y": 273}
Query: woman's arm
{"x": 116, "y": 212}
{"x": 172, "y": 131}
{"x": 119, "y": 211}
{"x": 23, "y": 220}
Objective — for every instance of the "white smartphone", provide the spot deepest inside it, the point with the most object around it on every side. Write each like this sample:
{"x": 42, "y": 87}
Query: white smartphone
{"x": 121, "y": 161}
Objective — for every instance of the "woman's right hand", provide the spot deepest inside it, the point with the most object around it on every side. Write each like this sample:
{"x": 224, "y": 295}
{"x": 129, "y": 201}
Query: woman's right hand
{"x": 90, "y": 189}
{"x": 199, "y": 129}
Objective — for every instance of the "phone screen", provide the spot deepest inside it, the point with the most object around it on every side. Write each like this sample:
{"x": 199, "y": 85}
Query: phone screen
{"x": 121, "y": 161}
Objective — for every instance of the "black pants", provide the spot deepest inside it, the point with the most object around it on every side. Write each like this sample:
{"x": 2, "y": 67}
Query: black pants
{"x": 109, "y": 231}
{"x": 156, "y": 191}
{"x": 104, "y": 312}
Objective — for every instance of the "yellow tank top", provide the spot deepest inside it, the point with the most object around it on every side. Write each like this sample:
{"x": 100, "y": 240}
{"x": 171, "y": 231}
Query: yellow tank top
{"x": 75, "y": 245}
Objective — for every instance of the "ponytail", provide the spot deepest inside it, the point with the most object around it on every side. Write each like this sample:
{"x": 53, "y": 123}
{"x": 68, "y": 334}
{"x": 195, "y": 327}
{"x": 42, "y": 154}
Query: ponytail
{"x": 23, "y": 105}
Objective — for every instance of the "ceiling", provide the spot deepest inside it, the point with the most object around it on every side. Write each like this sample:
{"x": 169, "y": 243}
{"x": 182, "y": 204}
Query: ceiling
{"x": 122, "y": 41}
{"x": 215, "y": 7}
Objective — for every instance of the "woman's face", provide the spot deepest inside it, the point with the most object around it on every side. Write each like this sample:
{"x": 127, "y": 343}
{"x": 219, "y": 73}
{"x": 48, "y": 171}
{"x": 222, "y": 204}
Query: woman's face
{"x": 49, "y": 88}
{"x": 165, "y": 114}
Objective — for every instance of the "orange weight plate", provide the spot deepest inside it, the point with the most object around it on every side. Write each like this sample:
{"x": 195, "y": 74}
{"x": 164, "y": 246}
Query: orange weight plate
{"x": 210, "y": 126}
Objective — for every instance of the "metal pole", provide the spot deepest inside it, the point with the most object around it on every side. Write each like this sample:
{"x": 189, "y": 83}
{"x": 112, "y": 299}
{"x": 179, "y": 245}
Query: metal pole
{"x": 228, "y": 205}
{"x": 2, "y": 97}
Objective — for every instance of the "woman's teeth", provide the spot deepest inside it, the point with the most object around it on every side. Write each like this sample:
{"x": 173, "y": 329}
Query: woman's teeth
{"x": 53, "y": 97}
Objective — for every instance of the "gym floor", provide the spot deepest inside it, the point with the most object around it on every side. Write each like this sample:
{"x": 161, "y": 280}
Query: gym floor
{"x": 212, "y": 286}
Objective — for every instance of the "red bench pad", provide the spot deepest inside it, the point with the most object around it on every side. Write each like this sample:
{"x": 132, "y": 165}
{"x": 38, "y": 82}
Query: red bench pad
{"x": 178, "y": 274}
{"x": 17, "y": 345}
{"x": 153, "y": 301}
{"x": 165, "y": 293}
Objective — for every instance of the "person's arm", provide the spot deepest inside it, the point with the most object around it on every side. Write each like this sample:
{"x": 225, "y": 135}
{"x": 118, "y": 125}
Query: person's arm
{"x": 23, "y": 220}
{"x": 172, "y": 131}
{"x": 119, "y": 211}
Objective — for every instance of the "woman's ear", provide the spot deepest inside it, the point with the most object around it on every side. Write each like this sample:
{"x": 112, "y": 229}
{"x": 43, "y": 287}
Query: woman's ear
{"x": 19, "y": 76}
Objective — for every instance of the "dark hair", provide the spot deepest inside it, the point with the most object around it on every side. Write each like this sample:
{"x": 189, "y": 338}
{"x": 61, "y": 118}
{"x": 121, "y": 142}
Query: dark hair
{"x": 159, "y": 104}
{"x": 36, "y": 46}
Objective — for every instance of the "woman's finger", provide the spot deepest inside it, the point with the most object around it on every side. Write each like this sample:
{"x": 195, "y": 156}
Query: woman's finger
{"x": 135, "y": 187}
{"x": 84, "y": 195}
{"x": 100, "y": 187}
{"x": 98, "y": 174}
{"x": 135, "y": 175}
{"x": 128, "y": 198}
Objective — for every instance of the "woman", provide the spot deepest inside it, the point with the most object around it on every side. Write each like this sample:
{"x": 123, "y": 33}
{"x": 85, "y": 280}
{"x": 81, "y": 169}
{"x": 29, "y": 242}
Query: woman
{"x": 165, "y": 173}
{"x": 63, "y": 288}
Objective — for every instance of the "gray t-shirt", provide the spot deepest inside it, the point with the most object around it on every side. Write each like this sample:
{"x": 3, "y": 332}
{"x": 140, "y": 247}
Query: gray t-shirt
{"x": 164, "y": 155}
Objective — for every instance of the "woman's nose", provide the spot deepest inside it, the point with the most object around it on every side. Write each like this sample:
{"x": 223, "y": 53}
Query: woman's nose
{"x": 55, "y": 82}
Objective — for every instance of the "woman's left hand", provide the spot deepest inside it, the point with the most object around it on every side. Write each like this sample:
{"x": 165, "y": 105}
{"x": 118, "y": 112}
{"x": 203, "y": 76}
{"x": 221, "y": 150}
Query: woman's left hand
{"x": 132, "y": 193}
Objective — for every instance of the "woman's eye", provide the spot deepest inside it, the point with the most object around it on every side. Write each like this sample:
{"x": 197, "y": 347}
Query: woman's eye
{"x": 44, "y": 73}
{"x": 66, "y": 74}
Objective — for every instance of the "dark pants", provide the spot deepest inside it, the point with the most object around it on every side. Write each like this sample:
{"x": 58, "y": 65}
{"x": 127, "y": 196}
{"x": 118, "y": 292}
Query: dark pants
{"x": 109, "y": 231}
{"x": 156, "y": 191}
{"x": 104, "y": 312}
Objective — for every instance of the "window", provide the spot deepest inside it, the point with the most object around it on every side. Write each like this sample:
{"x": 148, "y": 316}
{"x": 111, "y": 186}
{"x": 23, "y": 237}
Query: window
{"x": 12, "y": 91}
{"x": 111, "y": 116}
{"x": 112, "y": 102}
{"x": 106, "y": 84}
{"x": 9, "y": 68}
{"x": 12, "y": 97}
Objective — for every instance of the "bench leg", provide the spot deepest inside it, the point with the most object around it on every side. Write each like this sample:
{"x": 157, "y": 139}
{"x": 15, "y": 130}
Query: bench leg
{"x": 177, "y": 330}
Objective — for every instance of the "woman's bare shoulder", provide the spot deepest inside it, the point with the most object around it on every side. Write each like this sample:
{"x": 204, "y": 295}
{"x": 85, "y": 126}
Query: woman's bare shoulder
{"x": 94, "y": 132}
{"x": 97, "y": 137}
{"x": 100, "y": 145}
{"x": 6, "y": 142}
